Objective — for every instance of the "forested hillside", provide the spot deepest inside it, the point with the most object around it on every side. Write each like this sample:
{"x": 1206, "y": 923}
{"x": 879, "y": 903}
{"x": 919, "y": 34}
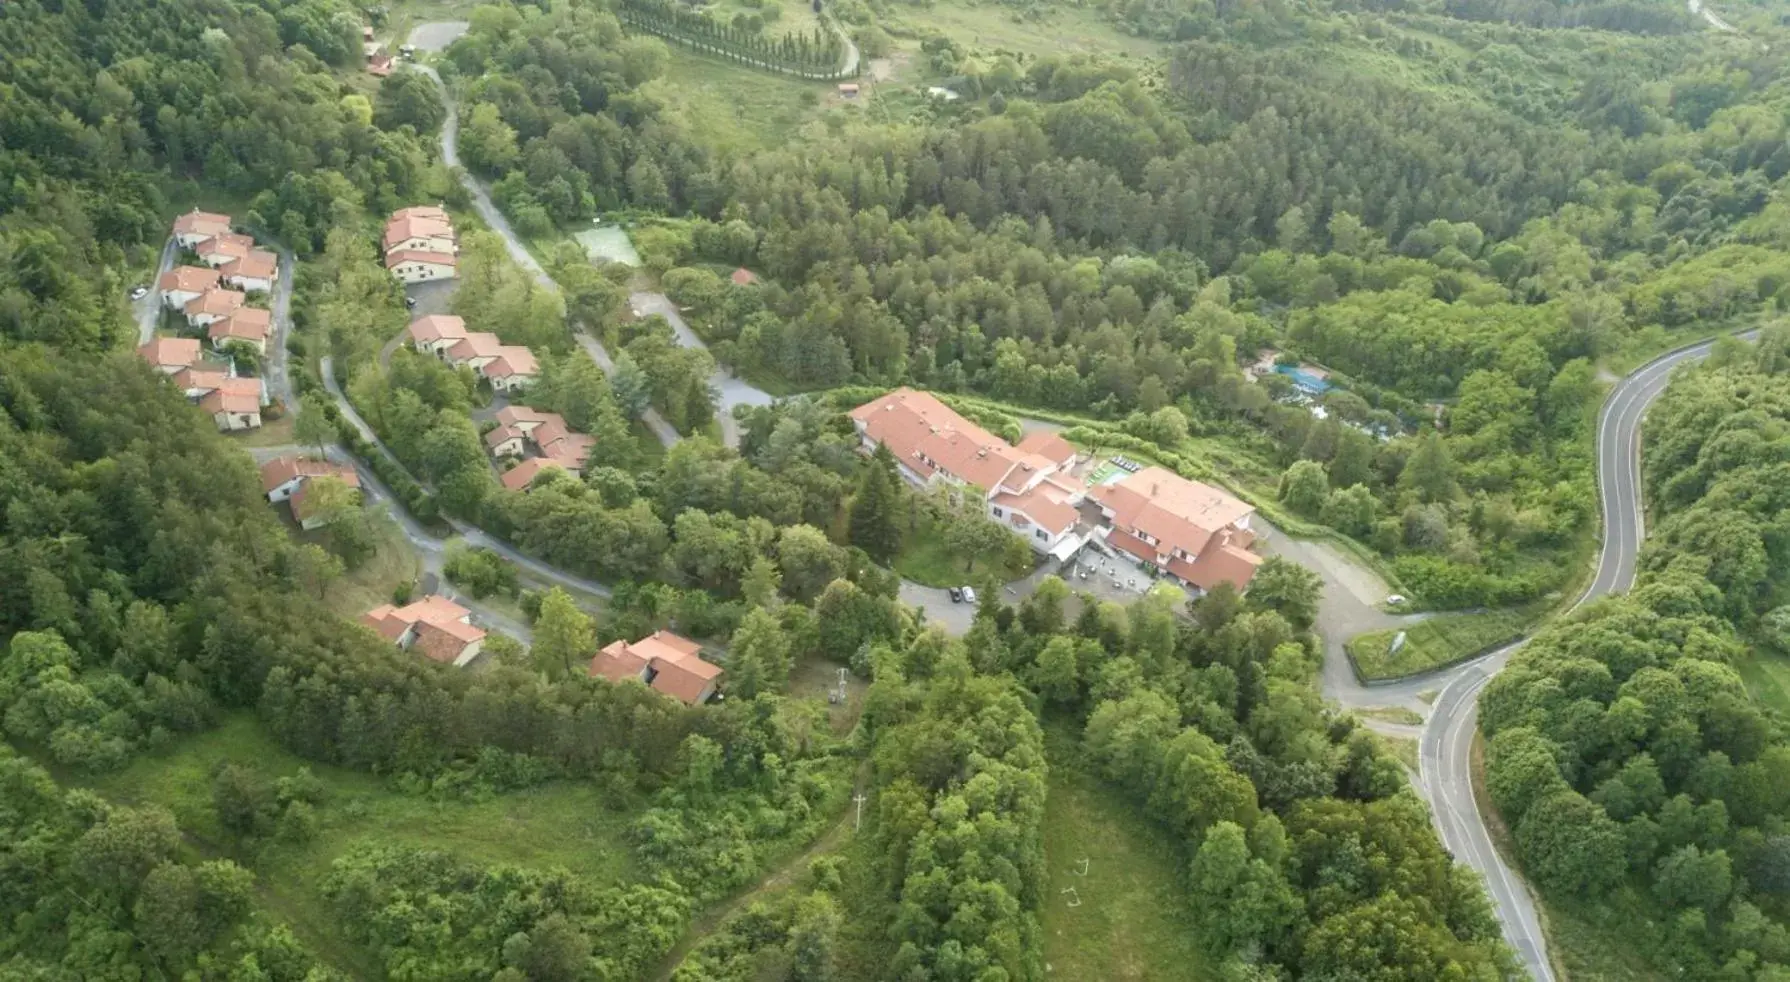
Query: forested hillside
{"x": 1463, "y": 211}
{"x": 1638, "y": 777}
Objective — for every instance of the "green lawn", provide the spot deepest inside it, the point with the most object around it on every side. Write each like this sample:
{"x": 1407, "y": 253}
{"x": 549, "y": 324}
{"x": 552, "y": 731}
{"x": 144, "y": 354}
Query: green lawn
{"x": 733, "y": 107}
{"x": 1437, "y": 641}
{"x": 1768, "y": 679}
{"x": 572, "y": 825}
{"x": 994, "y": 26}
{"x": 1133, "y": 921}
{"x": 926, "y": 559}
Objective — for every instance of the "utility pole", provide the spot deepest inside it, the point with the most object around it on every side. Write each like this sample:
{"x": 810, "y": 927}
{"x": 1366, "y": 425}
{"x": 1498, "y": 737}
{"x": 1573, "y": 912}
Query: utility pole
{"x": 858, "y": 823}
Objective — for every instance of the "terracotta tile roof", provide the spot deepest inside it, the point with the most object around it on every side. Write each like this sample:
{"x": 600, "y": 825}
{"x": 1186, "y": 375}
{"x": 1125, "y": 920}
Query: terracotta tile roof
{"x": 188, "y": 279}
{"x": 229, "y": 246}
{"x": 437, "y": 643}
{"x": 476, "y": 345}
{"x": 673, "y": 662}
{"x": 616, "y": 663}
{"x": 571, "y": 451}
{"x": 1179, "y": 513}
{"x": 280, "y": 470}
{"x": 246, "y": 323}
{"x": 417, "y": 227}
{"x": 502, "y": 435}
{"x": 549, "y": 431}
{"x": 926, "y": 435}
{"x": 513, "y": 360}
{"x": 1221, "y": 562}
{"x": 437, "y": 327}
{"x": 519, "y": 477}
{"x": 681, "y": 680}
{"x": 198, "y": 222}
{"x": 420, "y": 256}
{"x": 199, "y": 378}
{"x": 743, "y": 277}
{"x": 259, "y": 264}
{"x": 1048, "y": 445}
{"x": 170, "y": 351}
{"x": 384, "y": 619}
{"x": 233, "y": 395}
{"x": 525, "y": 418}
{"x": 421, "y": 211}
{"x": 442, "y": 632}
{"x": 217, "y": 301}
{"x": 1047, "y": 505}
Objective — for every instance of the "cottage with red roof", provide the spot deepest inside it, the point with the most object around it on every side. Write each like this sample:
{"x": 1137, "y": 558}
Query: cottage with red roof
{"x": 419, "y": 244}
{"x": 235, "y": 404}
{"x": 170, "y": 355}
{"x": 194, "y": 227}
{"x": 214, "y": 304}
{"x": 522, "y": 476}
{"x": 556, "y": 444}
{"x": 420, "y": 233}
{"x": 435, "y": 626}
{"x": 1191, "y": 531}
{"x": 513, "y": 368}
{"x": 743, "y": 277}
{"x": 436, "y": 333}
{"x": 665, "y": 662}
{"x": 1025, "y": 487}
{"x": 183, "y": 284}
{"x": 417, "y": 266}
{"x": 256, "y": 271}
{"x": 221, "y": 249}
{"x": 475, "y": 351}
{"x": 291, "y": 478}
{"x": 250, "y": 325}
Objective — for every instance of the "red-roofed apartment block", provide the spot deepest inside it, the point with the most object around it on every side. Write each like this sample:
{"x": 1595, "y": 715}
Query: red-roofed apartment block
{"x": 435, "y": 626}
{"x": 1191, "y": 531}
{"x": 671, "y": 664}
{"x": 196, "y": 226}
{"x": 1026, "y": 487}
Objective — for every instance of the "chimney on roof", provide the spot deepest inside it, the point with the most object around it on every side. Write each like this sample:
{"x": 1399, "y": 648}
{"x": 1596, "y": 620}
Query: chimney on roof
{"x": 1154, "y": 486}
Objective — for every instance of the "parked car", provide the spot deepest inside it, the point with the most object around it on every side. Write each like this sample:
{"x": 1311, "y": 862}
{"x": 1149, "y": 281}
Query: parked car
{"x": 956, "y": 594}
{"x": 969, "y": 595}
{"x": 139, "y": 293}
{"x": 409, "y": 301}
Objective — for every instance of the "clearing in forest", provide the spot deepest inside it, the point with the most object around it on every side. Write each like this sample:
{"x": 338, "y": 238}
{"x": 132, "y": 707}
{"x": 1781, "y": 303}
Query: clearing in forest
{"x": 1127, "y": 917}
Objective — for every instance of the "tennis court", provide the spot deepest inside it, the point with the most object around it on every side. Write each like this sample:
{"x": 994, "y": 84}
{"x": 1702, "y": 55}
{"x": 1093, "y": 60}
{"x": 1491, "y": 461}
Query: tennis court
{"x": 608, "y": 243}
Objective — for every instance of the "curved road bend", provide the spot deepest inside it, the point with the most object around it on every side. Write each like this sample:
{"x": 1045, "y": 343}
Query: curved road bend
{"x": 1445, "y": 750}
{"x": 472, "y": 534}
{"x": 481, "y": 202}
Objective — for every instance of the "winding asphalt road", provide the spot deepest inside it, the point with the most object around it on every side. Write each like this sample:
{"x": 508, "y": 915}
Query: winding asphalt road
{"x": 1445, "y": 749}
{"x": 482, "y": 203}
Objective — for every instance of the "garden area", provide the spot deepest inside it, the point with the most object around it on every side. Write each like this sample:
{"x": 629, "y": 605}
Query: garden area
{"x": 1436, "y": 642}
{"x": 1114, "y": 908}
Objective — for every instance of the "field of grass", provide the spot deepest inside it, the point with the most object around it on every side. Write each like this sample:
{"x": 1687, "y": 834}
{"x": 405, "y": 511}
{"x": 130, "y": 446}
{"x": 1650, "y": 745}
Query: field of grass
{"x": 1438, "y": 641}
{"x": 1133, "y": 921}
{"x": 927, "y": 560}
{"x": 394, "y": 561}
{"x": 1767, "y": 677}
{"x": 732, "y": 107}
{"x": 996, "y": 27}
{"x": 576, "y": 826}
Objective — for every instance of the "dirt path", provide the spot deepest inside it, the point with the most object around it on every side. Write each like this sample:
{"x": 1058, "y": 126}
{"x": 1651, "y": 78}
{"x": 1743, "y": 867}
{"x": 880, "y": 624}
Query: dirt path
{"x": 776, "y": 879}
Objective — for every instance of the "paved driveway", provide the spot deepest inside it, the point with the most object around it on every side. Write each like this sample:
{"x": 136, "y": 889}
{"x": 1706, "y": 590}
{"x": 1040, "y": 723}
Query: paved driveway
{"x": 956, "y": 618}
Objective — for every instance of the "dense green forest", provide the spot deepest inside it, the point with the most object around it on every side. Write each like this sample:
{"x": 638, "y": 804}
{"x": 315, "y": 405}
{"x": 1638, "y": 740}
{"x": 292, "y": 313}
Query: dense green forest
{"x": 1463, "y": 210}
{"x": 1635, "y": 771}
